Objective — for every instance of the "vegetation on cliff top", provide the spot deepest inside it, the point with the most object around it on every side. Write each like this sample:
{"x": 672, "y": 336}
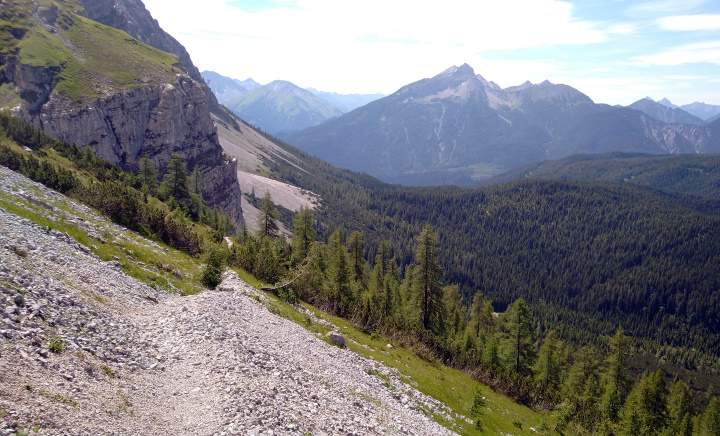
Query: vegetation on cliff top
{"x": 84, "y": 53}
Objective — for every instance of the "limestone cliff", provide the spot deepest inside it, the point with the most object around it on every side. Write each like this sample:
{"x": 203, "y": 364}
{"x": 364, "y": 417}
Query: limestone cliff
{"x": 91, "y": 85}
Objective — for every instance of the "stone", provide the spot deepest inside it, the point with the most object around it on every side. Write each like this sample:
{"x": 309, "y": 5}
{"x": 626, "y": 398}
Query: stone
{"x": 19, "y": 300}
{"x": 337, "y": 339}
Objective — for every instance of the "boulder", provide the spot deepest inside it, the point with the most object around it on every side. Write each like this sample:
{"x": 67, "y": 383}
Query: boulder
{"x": 337, "y": 339}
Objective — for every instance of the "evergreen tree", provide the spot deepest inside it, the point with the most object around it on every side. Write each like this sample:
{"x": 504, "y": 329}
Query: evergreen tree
{"x": 212, "y": 274}
{"x": 175, "y": 184}
{"x": 615, "y": 381}
{"x": 679, "y": 410}
{"x": 481, "y": 320}
{"x": 338, "y": 275}
{"x": 644, "y": 412}
{"x": 304, "y": 234}
{"x": 268, "y": 215}
{"x": 356, "y": 248}
{"x": 148, "y": 175}
{"x": 195, "y": 182}
{"x": 520, "y": 347}
{"x": 427, "y": 281}
{"x": 547, "y": 369}
{"x": 710, "y": 419}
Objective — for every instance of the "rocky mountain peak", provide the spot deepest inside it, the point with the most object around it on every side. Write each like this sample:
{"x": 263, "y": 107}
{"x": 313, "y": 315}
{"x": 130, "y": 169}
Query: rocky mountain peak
{"x": 667, "y": 103}
{"x": 462, "y": 72}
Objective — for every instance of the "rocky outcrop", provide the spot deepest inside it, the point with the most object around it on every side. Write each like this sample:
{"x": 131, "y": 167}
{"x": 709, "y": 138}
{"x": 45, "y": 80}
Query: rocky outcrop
{"x": 155, "y": 121}
{"x": 132, "y": 17}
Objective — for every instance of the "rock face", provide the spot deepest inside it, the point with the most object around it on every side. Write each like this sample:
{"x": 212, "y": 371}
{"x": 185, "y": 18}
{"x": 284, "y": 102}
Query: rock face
{"x": 162, "y": 116}
{"x": 665, "y": 112}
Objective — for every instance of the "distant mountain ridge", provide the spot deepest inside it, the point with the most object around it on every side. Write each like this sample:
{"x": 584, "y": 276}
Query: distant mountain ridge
{"x": 281, "y": 107}
{"x": 665, "y": 111}
{"x": 459, "y": 128}
{"x": 707, "y": 112}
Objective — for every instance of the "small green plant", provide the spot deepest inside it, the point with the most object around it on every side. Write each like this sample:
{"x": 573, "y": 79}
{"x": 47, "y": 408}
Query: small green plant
{"x": 518, "y": 424}
{"x": 107, "y": 371}
{"x": 212, "y": 274}
{"x": 56, "y": 345}
{"x": 476, "y": 410}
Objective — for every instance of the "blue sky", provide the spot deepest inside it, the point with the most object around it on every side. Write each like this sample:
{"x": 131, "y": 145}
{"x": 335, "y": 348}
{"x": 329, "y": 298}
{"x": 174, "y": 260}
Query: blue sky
{"x": 616, "y": 51}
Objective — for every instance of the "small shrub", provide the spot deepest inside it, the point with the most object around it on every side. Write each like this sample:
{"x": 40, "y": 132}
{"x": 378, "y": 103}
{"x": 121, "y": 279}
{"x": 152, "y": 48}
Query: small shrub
{"x": 212, "y": 275}
{"x": 107, "y": 371}
{"x": 518, "y": 424}
{"x": 56, "y": 345}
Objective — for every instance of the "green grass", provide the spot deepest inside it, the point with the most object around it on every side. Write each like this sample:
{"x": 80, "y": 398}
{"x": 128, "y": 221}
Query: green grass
{"x": 452, "y": 387}
{"x": 161, "y": 266}
{"x": 86, "y": 54}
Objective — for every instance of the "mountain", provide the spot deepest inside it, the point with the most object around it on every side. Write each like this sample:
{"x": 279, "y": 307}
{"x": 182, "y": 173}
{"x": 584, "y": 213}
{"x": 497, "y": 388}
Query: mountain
{"x": 664, "y": 112}
{"x": 346, "y": 102}
{"x": 281, "y": 106}
{"x": 60, "y": 72}
{"x": 459, "y": 128}
{"x": 702, "y": 110}
{"x": 228, "y": 90}
{"x": 667, "y": 103}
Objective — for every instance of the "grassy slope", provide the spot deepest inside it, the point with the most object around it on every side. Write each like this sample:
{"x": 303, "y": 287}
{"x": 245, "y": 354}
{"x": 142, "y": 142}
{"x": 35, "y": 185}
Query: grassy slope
{"x": 86, "y": 52}
{"x": 696, "y": 175}
{"x": 453, "y": 387}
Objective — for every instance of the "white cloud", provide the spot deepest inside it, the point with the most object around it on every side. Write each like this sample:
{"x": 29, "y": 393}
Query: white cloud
{"x": 364, "y": 45}
{"x": 699, "y": 53}
{"x": 690, "y": 22}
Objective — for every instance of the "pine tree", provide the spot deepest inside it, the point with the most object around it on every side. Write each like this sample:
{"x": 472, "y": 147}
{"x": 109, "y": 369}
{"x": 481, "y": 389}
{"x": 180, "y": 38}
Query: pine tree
{"x": 614, "y": 379}
{"x": 520, "y": 347}
{"x": 148, "y": 175}
{"x": 644, "y": 411}
{"x": 481, "y": 320}
{"x": 338, "y": 275}
{"x": 427, "y": 281}
{"x": 175, "y": 184}
{"x": 212, "y": 274}
{"x": 547, "y": 369}
{"x": 195, "y": 182}
{"x": 268, "y": 215}
{"x": 679, "y": 410}
{"x": 304, "y": 234}
{"x": 356, "y": 248}
{"x": 710, "y": 419}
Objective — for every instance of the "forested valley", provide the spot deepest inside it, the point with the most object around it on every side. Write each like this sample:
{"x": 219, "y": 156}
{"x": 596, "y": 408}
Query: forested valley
{"x": 393, "y": 270}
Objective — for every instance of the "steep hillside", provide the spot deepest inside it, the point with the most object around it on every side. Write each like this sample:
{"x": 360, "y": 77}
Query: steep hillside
{"x": 281, "y": 107}
{"x": 88, "y": 349}
{"x": 58, "y": 73}
{"x": 685, "y": 175}
{"x": 666, "y": 114}
{"x": 253, "y": 151}
{"x": 458, "y": 127}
